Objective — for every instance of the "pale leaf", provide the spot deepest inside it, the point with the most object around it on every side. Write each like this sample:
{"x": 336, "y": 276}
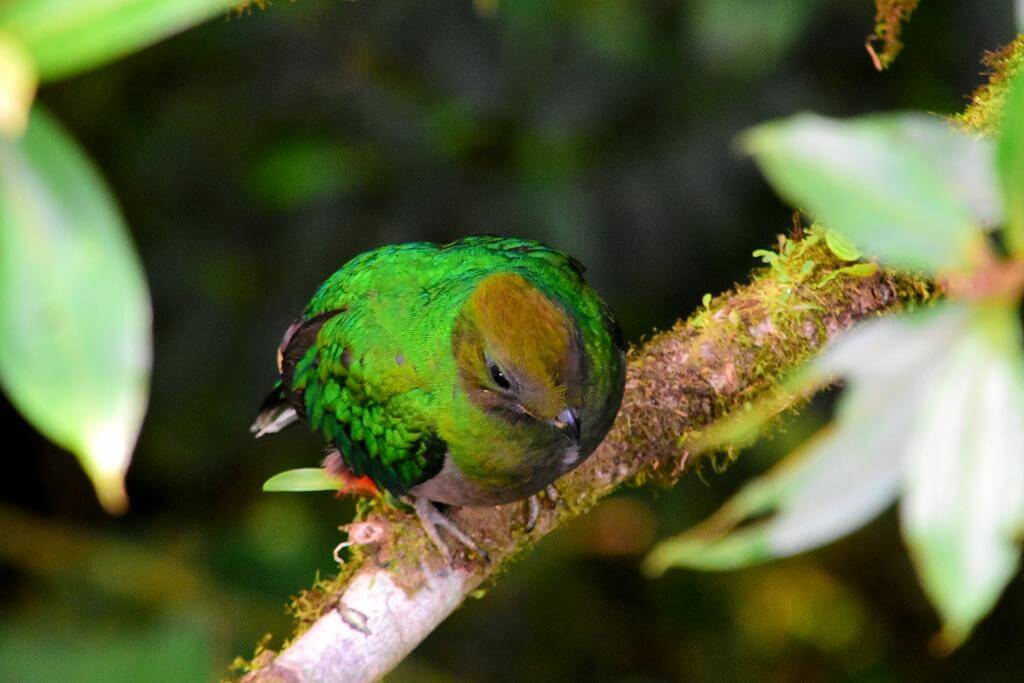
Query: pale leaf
{"x": 963, "y": 507}
{"x": 74, "y": 308}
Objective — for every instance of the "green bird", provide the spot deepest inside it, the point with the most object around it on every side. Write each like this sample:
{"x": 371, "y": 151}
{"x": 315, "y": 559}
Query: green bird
{"x": 471, "y": 373}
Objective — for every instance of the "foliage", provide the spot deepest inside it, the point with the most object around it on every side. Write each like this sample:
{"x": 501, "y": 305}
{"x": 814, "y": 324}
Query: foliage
{"x": 934, "y": 400}
{"x": 74, "y": 307}
{"x": 864, "y": 176}
{"x": 65, "y": 38}
{"x": 303, "y": 479}
{"x": 77, "y": 370}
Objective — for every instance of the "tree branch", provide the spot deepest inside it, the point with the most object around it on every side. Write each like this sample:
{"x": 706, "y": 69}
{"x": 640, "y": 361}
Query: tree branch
{"x": 394, "y": 589}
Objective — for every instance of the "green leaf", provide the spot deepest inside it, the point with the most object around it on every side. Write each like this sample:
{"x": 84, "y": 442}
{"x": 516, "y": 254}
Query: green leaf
{"x": 17, "y": 86}
{"x": 1010, "y": 161}
{"x": 908, "y": 189}
{"x": 844, "y": 249}
{"x": 963, "y": 508}
{"x": 65, "y": 37}
{"x": 74, "y": 309}
{"x": 302, "y": 480}
{"x": 849, "y": 472}
{"x": 843, "y": 479}
{"x": 855, "y": 270}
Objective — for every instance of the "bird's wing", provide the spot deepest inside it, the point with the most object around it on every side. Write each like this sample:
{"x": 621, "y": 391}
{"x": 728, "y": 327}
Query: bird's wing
{"x": 283, "y": 407}
{"x": 343, "y": 374}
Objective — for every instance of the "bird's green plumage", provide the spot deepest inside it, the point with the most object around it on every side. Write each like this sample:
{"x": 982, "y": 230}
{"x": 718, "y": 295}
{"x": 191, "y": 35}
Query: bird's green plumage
{"x": 371, "y": 366}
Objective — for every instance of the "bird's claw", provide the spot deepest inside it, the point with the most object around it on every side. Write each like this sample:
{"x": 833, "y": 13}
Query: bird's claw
{"x": 431, "y": 519}
{"x": 532, "y": 513}
{"x": 552, "y": 493}
{"x": 533, "y": 506}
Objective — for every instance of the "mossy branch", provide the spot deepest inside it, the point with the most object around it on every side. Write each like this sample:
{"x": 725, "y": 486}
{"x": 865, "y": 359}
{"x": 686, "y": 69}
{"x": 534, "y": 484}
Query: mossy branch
{"x": 394, "y": 589}
{"x": 983, "y": 115}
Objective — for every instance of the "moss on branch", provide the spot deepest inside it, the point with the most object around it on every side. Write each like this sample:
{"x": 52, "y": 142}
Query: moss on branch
{"x": 984, "y": 113}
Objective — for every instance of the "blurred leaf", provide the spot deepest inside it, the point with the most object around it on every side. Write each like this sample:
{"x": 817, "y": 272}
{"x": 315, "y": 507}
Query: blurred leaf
{"x": 454, "y": 126}
{"x": 619, "y": 32}
{"x": 302, "y": 480}
{"x": 934, "y": 400}
{"x": 87, "y": 648}
{"x": 17, "y": 86}
{"x": 732, "y": 39}
{"x": 841, "y": 480}
{"x": 300, "y": 170}
{"x": 550, "y": 156}
{"x": 1010, "y": 158}
{"x": 782, "y": 605}
{"x": 74, "y": 309}
{"x": 884, "y": 350}
{"x": 845, "y": 476}
{"x": 908, "y": 188}
{"x": 963, "y": 508}
{"x": 850, "y": 471}
{"x": 65, "y": 37}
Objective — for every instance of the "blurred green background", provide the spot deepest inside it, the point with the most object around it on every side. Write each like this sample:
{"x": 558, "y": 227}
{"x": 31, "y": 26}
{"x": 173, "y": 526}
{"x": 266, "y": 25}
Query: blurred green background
{"x": 255, "y": 154}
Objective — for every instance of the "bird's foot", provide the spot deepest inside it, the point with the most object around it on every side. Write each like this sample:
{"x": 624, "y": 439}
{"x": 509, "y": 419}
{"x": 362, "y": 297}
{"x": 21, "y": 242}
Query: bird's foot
{"x": 533, "y": 506}
{"x": 433, "y": 519}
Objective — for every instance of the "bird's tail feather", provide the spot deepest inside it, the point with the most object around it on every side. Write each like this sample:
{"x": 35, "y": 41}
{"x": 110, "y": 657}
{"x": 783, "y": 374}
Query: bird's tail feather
{"x": 275, "y": 414}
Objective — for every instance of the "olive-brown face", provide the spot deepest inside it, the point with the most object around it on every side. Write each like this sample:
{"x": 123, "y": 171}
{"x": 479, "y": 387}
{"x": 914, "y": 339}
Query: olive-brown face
{"x": 519, "y": 354}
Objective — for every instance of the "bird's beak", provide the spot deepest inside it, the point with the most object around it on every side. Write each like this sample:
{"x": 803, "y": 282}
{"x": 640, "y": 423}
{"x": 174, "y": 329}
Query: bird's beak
{"x": 568, "y": 424}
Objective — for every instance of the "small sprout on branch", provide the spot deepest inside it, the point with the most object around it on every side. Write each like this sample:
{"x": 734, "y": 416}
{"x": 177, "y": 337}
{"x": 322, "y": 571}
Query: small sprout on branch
{"x": 301, "y": 480}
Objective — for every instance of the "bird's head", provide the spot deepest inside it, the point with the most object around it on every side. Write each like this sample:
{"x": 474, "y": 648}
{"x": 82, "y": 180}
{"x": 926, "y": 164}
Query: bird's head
{"x": 519, "y": 355}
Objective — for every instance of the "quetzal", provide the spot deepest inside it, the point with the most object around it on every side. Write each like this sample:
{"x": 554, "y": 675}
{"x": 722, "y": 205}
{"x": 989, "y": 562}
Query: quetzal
{"x": 469, "y": 373}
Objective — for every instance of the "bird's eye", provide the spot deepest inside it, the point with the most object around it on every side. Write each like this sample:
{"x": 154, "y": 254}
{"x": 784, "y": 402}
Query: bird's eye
{"x": 498, "y": 376}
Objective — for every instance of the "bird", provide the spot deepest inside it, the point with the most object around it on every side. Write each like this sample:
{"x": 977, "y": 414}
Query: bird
{"x": 471, "y": 373}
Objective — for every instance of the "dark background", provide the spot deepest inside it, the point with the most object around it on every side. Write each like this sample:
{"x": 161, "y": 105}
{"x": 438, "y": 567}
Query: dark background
{"x": 254, "y": 155}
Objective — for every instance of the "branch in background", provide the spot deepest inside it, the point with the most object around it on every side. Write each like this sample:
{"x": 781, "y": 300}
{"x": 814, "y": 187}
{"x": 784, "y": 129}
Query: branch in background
{"x": 247, "y": 6}
{"x": 394, "y": 589}
{"x": 890, "y": 16}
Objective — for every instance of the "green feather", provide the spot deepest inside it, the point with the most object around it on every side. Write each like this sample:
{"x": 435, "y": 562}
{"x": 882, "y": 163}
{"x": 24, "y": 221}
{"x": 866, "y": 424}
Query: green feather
{"x": 378, "y": 380}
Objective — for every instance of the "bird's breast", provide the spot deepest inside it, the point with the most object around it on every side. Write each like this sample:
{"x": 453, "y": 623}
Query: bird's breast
{"x": 457, "y": 485}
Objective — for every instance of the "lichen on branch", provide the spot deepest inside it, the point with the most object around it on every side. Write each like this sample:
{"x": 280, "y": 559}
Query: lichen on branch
{"x": 727, "y": 355}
